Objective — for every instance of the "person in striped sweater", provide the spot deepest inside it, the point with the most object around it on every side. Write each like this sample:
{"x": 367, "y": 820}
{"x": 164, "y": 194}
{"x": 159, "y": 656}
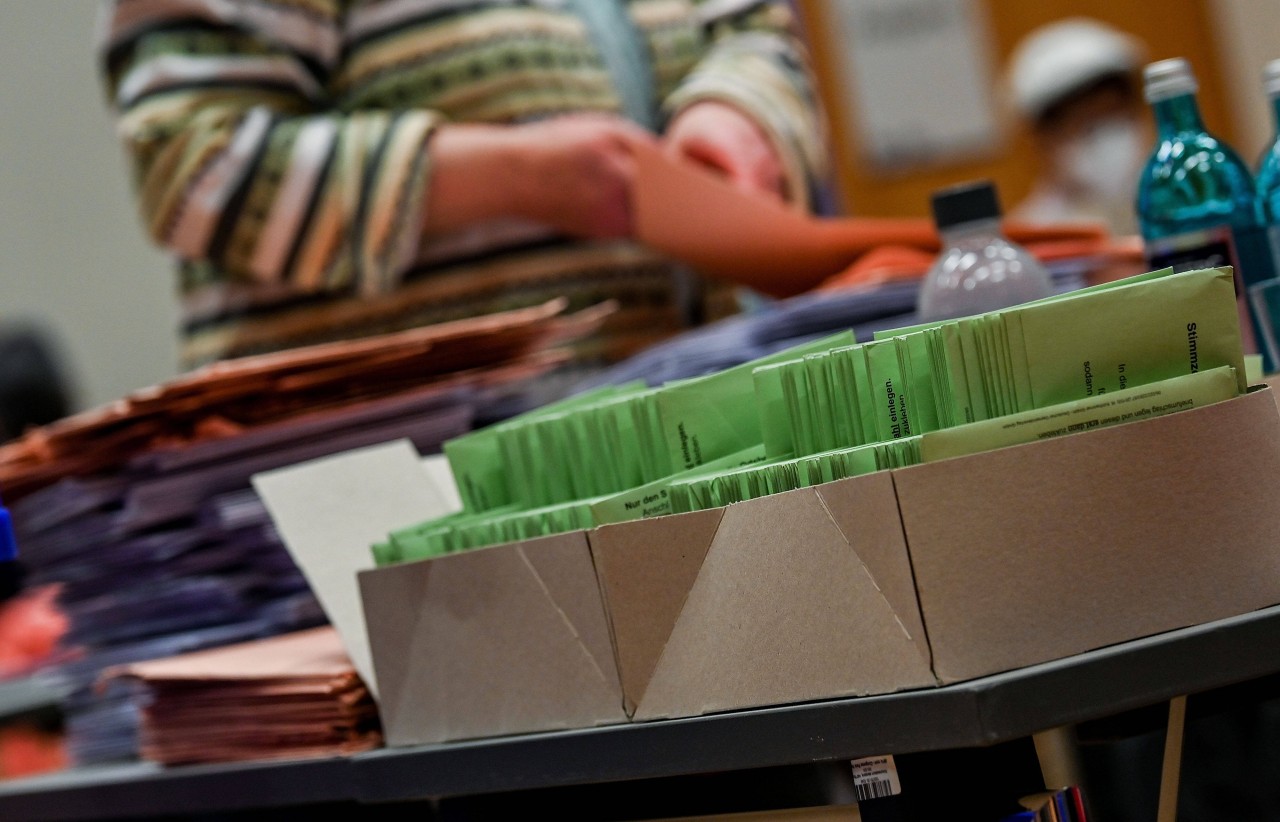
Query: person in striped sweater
{"x": 329, "y": 169}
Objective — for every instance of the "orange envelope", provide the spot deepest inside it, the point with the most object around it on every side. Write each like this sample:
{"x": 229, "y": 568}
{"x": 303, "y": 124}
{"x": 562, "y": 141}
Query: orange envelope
{"x": 693, "y": 215}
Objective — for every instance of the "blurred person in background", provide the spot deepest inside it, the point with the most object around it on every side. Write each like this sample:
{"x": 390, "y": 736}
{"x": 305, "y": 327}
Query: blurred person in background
{"x": 330, "y": 169}
{"x": 34, "y": 391}
{"x": 1076, "y": 85}
{"x": 33, "y": 387}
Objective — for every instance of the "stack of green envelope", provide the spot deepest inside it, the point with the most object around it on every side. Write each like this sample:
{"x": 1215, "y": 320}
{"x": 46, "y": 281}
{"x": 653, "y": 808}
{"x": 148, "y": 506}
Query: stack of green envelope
{"x": 1082, "y": 344}
{"x": 832, "y": 409}
{"x": 711, "y": 489}
{"x": 552, "y": 469}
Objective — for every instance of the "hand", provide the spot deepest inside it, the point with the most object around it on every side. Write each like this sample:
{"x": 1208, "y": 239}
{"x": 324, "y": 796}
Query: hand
{"x": 722, "y": 138}
{"x": 577, "y": 173}
{"x": 573, "y": 174}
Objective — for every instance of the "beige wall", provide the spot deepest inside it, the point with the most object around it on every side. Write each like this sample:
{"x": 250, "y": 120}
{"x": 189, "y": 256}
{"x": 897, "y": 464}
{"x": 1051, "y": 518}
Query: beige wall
{"x": 1248, "y": 36}
{"x": 71, "y": 252}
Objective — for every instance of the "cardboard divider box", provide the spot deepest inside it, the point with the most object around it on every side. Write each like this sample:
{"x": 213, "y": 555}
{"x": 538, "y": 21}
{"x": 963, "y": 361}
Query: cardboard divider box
{"x": 794, "y": 597}
{"x": 901, "y": 579}
{"x": 1040, "y": 551}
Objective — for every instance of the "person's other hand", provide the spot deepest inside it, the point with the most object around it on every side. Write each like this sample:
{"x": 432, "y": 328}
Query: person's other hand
{"x": 573, "y": 174}
{"x": 720, "y": 137}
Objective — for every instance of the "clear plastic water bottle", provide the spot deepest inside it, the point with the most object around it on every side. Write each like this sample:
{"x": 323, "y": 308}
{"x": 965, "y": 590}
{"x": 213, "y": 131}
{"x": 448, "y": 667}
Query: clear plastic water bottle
{"x": 1196, "y": 202}
{"x": 979, "y": 269}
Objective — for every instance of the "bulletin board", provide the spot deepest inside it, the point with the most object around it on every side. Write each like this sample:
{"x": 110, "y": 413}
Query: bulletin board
{"x": 920, "y": 76}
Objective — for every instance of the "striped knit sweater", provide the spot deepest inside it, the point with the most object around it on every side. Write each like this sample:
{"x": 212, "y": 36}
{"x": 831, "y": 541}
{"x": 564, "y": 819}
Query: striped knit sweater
{"x": 281, "y": 153}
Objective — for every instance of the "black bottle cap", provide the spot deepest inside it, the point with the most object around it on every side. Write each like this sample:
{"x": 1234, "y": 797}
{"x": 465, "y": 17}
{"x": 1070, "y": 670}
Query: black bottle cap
{"x": 965, "y": 203}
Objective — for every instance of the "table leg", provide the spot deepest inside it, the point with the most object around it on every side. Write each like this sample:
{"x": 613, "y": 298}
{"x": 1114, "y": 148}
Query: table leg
{"x": 1058, "y": 756}
{"x": 1172, "y": 767}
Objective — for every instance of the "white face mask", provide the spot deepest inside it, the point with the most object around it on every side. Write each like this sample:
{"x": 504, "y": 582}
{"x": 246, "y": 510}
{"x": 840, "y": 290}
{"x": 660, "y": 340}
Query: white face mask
{"x": 1106, "y": 160}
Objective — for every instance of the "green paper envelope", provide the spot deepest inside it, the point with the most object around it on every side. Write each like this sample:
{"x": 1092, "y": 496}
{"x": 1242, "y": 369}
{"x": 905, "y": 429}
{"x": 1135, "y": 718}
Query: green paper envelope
{"x": 735, "y": 485}
{"x": 888, "y": 390}
{"x": 1253, "y": 368}
{"x": 1016, "y": 340}
{"x": 824, "y": 422}
{"x": 1125, "y": 405}
{"x": 962, "y": 354}
{"x": 654, "y": 499}
{"x": 1138, "y": 334}
{"x": 914, "y": 350}
{"x": 775, "y": 420}
{"x": 384, "y": 553}
{"x": 845, "y": 394}
{"x": 990, "y": 365}
{"x": 475, "y": 458}
{"x": 799, "y": 402}
{"x": 1004, "y": 362}
{"x": 945, "y": 394}
{"x": 715, "y": 416}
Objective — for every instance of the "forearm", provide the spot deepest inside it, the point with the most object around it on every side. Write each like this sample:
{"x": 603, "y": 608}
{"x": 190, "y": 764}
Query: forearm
{"x": 755, "y": 63}
{"x": 475, "y": 177}
{"x": 243, "y": 162}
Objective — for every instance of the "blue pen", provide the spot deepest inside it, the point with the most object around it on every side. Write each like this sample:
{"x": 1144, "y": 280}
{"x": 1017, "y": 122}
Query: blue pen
{"x": 10, "y": 574}
{"x": 8, "y": 545}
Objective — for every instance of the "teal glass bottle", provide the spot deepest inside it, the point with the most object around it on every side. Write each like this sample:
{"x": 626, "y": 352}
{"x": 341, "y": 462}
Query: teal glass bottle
{"x": 1197, "y": 205}
{"x": 1269, "y": 164}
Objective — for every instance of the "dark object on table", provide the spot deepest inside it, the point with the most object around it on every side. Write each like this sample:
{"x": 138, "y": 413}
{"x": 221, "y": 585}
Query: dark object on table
{"x": 33, "y": 387}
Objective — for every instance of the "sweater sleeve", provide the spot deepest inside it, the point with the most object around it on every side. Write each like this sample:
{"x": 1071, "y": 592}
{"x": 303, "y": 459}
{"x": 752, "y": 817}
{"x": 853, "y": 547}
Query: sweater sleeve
{"x": 756, "y": 62}
{"x": 241, "y": 161}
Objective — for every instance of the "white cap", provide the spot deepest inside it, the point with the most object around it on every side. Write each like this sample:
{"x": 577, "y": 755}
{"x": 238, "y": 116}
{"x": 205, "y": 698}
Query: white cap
{"x": 1168, "y": 78}
{"x": 1271, "y": 79}
{"x": 1066, "y": 56}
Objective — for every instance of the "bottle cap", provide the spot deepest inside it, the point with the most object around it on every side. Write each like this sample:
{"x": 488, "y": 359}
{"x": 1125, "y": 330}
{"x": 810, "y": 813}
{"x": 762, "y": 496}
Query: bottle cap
{"x": 1168, "y": 78}
{"x": 1271, "y": 78}
{"x": 965, "y": 204}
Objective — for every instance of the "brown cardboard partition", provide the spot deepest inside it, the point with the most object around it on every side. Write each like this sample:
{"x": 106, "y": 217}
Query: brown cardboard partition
{"x": 798, "y": 596}
{"x": 1041, "y": 551}
{"x": 496, "y": 641}
{"x": 900, "y": 579}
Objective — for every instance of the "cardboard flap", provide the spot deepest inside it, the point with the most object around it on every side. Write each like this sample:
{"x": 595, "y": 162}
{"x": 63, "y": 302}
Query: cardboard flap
{"x": 646, "y": 569}
{"x": 783, "y": 610}
{"x": 857, "y": 506}
{"x": 475, "y": 644}
{"x": 329, "y": 511}
{"x": 571, "y": 584}
{"x": 1053, "y": 548}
